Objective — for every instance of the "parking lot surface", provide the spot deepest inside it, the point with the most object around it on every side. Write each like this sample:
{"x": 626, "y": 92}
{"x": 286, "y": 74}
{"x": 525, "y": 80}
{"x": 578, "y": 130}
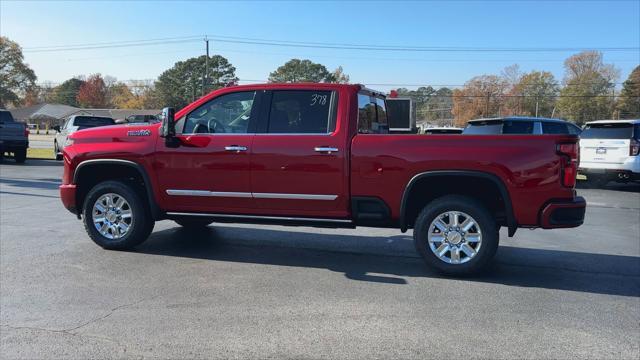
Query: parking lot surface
{"x": 245, "y": 291}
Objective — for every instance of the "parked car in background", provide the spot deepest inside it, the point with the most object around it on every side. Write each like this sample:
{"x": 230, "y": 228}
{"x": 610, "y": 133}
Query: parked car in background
{"x": 14, "y": 137}
{"x": 443, "y": 130}
{"x": 141, "y": 119}
{"x": 609, "y": 151}
{"x": 520, "y": 125}
{"x": 73, "y": 124}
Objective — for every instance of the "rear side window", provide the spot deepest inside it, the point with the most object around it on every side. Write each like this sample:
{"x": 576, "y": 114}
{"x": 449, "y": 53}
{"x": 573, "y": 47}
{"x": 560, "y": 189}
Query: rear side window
{"x": 85, "y": 122}
{"x": 302, "y": 112}
{"x": 636, "y": 132}
{"x": 517, "y": 127}
{"x": 489, "y": 127}
{"x": 608, "y": 131}
{"x": 372, "y": 115}
{"x": 554, "y": 128}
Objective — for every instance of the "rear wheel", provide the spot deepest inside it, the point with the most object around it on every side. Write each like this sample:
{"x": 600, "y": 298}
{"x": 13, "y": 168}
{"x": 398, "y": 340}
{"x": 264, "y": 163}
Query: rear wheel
{"x": 456, "y": 235}
{"x": 115, "y": 217}
{"x": 20, "y": 155}
{"x": 193, "y": 223}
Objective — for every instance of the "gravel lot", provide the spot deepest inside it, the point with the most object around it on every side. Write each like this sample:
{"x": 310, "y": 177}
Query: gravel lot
{"x": 273, "y": 292}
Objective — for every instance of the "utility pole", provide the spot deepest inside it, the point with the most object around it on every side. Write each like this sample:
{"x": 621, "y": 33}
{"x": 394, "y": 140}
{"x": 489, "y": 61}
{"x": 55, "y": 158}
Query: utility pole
{"x": 205, "y": 77}
{"x": 536, "y": 105}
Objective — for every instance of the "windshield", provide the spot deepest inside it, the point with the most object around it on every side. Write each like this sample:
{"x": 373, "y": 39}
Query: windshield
{"x": 85, "y": 122}
{"x": 608, "y": 131}
{"x": 489, "y": 127}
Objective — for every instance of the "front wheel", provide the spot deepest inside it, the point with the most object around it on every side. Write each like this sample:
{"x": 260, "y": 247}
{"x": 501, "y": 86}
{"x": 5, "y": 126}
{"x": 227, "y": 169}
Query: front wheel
{"x": 456, "y": 235}
{"x": 115, "y": 217}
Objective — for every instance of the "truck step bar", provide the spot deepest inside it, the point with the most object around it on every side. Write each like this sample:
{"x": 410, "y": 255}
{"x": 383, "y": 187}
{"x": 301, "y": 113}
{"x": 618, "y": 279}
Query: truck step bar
{"x": 273, "y": 220}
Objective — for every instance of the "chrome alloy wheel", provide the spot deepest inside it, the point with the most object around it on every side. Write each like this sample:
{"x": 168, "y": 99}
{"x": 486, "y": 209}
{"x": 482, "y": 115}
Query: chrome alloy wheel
{"x": 112, "y": 216}
{"x": 454, "y": 237}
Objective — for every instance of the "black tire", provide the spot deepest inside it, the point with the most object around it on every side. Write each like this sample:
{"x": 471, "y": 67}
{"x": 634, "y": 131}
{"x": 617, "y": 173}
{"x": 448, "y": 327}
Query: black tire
{"x": 56, "y": 151}
{"x": 141, "y": 225}
{"x": 484, "y": 220}
{"x": 20, "y": 155}
{"x": 193, "y": 223}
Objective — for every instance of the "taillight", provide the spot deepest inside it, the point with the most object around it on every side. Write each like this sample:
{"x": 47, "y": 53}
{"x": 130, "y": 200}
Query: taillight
{"x": 570, "y": 158}
{"x": 634, "y": 147}
{"x": 26, "y": 131}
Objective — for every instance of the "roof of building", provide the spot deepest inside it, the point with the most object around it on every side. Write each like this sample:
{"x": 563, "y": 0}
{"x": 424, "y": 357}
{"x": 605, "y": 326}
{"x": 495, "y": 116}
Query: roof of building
{"x": 60, "y": 111}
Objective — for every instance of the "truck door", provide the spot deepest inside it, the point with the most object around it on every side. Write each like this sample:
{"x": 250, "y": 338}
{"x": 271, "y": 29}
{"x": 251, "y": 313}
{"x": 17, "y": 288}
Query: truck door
{"x": 299, "y": 155}
{"x": 209, "y": 172}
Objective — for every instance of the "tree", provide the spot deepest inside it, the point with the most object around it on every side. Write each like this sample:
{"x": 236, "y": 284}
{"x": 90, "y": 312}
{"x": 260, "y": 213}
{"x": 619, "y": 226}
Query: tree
{"x": 629, "y": 102}
{"x": 93, "y": 93}
{"x": 588, "y": 88}
{"x": 120, "y": 97}
{"x": 296, "y": 70}
{"x": 67, "y": 92}
{"x": 535, "y": 94}
{"x": 480, "y": 97}
{"x": 16, "y": 77}
{"x": 338, "y": 76}
{"x": 183, "y": 83}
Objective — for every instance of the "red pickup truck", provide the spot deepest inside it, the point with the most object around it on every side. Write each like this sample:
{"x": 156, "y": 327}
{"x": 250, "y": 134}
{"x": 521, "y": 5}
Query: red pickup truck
{"x": 318, "y": 155}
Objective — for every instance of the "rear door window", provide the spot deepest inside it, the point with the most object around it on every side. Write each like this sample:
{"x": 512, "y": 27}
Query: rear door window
{"x": 608, "y": 131}
{"x": 302, "y": 112}
{"x": 554, "y": 128}
{"x": 517, "y": 127}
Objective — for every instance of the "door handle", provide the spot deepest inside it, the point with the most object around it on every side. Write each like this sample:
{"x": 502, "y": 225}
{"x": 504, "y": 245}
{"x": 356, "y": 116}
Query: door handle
{"x": 325, "y": 149}
{"x": 235, "y": 148}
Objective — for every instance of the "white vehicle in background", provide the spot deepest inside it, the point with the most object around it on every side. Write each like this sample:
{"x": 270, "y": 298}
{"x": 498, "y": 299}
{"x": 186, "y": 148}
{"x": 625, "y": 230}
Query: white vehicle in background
{"x": 609, "y": 151}
{"x": 442, "y": 130}
{"x": 73, "y": 124}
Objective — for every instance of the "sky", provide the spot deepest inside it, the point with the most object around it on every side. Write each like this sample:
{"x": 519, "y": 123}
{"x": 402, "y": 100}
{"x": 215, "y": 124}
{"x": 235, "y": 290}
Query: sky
{"x": 478, "y": 24}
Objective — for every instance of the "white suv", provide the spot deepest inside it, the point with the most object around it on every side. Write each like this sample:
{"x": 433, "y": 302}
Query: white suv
{"x": 609, "y": 150}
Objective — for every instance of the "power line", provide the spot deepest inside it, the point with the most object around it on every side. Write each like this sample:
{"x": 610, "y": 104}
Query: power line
{"x": 318, "y": 45}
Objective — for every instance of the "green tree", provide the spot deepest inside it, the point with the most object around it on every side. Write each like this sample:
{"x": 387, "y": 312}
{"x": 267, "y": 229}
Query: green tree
{"x": 588, "y": 88}
{"x": 296, "y": 70}
{"x": 536, "y": 93}
{"x": 183, "y": 83}
{"x": 629, "y": 102}
{"x": 67, "y": 92}
{"x": 16, "y": 77}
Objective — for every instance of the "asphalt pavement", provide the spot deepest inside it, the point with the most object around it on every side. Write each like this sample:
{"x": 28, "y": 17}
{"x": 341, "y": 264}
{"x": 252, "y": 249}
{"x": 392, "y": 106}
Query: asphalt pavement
{"x": 248, "y": 291}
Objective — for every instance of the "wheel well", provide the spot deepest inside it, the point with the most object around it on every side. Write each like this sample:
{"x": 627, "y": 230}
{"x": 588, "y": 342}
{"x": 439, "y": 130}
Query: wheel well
{"x": 91, "y": 175}
{"x": 482, "y": 188}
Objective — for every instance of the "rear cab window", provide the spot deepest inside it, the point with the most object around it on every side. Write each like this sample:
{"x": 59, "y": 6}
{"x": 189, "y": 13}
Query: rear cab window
{"x": 86, "y": 122}
{"x": 5, "y": 116}
{"x": 608, "y": 131}
{"x": 372, "y": 114}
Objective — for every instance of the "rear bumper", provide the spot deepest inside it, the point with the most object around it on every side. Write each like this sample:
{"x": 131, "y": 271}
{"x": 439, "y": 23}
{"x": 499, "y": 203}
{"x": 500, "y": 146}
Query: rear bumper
{"x": 68, "y": 197}
{"x": 563, "y": 213}
{"x": 11, "y": 145}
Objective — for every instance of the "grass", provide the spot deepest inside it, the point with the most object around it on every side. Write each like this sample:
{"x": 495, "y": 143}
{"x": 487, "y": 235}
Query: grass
{"x": 33, "y": 153}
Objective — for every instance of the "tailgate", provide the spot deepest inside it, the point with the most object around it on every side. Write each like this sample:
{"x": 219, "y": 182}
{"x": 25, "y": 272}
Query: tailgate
{"x": 12, "y": 131}
{"x": 605, "y": 151}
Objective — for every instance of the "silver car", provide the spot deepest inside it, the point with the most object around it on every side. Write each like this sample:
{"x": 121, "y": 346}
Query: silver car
{"x": 73, "y": 124}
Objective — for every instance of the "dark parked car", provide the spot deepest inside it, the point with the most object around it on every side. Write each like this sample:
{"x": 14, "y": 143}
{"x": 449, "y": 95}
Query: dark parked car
{"x": 520, "y": 125}
{"x": 14, "y": 137}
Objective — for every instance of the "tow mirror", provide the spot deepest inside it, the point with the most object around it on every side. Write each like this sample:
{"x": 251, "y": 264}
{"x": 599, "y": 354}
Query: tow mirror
{"x": 168, "y": 128}
{"x": 57, "y": 128}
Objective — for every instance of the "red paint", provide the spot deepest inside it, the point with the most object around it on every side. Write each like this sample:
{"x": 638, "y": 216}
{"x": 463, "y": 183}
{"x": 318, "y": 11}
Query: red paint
{"x": 364, "y": 165}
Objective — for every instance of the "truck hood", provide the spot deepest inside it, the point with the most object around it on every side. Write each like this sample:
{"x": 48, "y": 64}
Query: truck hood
{"x": 117, "y": 133}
